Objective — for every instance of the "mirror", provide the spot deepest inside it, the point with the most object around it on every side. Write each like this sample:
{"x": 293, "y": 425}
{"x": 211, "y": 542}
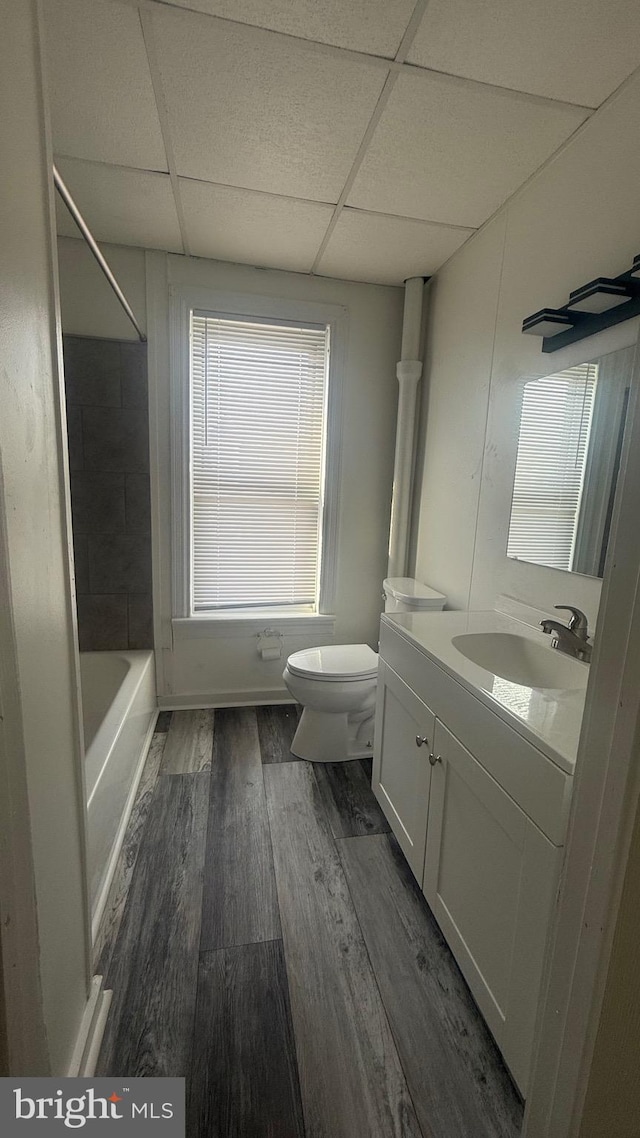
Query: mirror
{"x": 571, "y": 428}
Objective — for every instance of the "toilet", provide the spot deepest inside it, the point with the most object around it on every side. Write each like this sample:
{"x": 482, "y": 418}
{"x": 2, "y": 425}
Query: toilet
{"x": 403, "y": 594}
{"x": 336, "y": 685}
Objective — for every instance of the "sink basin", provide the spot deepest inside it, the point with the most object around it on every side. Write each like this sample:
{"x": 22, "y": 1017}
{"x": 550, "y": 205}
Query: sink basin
{"x": 521, "y": 660}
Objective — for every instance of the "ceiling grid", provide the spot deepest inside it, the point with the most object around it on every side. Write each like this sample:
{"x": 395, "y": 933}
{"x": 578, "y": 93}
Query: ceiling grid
{"x": 365, "y": 139}
{"x": 401, "y": 55}
{"x": 146, "y": 24}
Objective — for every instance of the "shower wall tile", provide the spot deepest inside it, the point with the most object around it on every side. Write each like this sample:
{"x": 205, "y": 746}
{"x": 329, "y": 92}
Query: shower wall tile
{"x": 135, "y": 391}
{"x": 119, "y": 563}
{"x": 93, "y": 370}
{"x": 81, "y": 561}
{"x": 98, "y": 503}
{"x": 103, "y": 623}
{"x": 138, "y": 503}
{"x": 115, "y": 439}
{"x": 74, "y": 437}
{"x": 140, "y": 620}
{"x": 108, "y": 431}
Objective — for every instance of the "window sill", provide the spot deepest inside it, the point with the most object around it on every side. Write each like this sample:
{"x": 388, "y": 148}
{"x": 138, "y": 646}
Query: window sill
{"x": 232, "y": 624}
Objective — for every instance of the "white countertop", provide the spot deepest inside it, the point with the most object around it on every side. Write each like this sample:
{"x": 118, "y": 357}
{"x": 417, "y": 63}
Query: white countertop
{"x": 550, "y": 718}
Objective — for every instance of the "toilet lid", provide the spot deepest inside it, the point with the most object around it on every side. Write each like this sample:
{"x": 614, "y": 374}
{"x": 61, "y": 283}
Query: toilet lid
{"x": 414, "y": 593}
{"x": 335, "y": 662}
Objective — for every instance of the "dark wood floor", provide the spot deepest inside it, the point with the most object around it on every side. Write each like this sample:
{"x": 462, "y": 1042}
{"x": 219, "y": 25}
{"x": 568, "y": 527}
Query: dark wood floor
{"x": 265, "y": 938}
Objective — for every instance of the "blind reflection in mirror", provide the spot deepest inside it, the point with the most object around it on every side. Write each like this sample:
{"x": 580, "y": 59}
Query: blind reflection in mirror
{"x": 571, "y": 428}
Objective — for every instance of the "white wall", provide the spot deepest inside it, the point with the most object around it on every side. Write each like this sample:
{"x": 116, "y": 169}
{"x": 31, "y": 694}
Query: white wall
{"x": 230, "y": 668}
{"x": 577, "y": 219}
{"x": 43, "y": 891}
{"x": 89, "y": 306}
{"x": 219, "y": 666}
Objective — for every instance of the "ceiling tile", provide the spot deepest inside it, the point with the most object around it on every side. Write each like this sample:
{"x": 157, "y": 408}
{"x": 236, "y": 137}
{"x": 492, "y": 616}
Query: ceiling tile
{"x": 387, "y": 250}
{"x": 252, "y": 228}
{"x": 250, "y": 109}
{"x": 102, "y": 102}
{"x": 577, "y": 50}
{"x": 374, "y": 26}
{"x": 126, "y": 207}
{"x": 451, "y": 151}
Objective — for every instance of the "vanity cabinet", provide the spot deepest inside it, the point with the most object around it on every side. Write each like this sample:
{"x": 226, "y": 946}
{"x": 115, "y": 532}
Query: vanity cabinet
{"x": 480, "y": 815}
{"x": 489, "y": 877}
{"x": 405, "y": 727}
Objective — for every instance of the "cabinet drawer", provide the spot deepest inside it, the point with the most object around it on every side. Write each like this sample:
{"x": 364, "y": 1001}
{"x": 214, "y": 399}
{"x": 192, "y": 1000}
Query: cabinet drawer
{"x": 490, "y": 879}
{"x": 529, "y": 777}
{"x": 401, "y": 767}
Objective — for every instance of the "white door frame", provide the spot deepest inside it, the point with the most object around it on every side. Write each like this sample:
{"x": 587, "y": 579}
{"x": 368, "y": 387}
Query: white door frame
{"x": 606, "y": 796}
{"x": 25, "y": 1029}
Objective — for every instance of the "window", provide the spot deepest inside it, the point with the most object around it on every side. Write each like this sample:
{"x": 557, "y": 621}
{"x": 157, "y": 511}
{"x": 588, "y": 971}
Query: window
{"x": 258, "y": 400}
{"x": 555, "y": 426}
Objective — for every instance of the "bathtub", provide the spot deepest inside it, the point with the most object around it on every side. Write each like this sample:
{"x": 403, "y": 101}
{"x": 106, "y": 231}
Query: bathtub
{"x": 119, "y": 713}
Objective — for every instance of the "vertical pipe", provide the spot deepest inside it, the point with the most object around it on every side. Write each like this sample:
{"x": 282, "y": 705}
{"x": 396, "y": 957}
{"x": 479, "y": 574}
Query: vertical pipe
{"x": 408, "y": 371}
{"x": 412, "y": 319}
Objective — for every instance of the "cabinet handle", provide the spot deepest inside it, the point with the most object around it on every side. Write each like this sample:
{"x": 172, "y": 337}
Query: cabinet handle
{"x": 421, "y": 740}
{"x": 433, "y": 759}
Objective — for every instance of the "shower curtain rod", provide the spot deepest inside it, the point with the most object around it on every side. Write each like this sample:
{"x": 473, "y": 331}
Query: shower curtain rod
{"x": 91, "y": 242}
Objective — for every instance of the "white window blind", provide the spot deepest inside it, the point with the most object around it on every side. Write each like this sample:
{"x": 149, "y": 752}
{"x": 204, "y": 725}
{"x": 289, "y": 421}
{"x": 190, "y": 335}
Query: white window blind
{"x": 554, "y": 436}
{"x": 258, "y": 396}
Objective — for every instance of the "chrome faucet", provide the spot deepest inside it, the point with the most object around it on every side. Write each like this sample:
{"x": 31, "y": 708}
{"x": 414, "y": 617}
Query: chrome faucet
{"x": 572, "y": 638}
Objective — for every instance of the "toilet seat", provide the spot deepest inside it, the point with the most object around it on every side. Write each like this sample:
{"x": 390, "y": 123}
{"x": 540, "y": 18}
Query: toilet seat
{"x": 335, "y": 662}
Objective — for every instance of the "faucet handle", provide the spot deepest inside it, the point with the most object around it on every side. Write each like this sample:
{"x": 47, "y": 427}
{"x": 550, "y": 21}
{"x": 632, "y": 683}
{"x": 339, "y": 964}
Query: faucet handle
{"x": 578, "y": 622}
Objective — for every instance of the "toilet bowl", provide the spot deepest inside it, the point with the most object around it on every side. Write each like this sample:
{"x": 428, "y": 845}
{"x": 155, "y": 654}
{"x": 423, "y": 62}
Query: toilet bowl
{"x": 336, "y": 686}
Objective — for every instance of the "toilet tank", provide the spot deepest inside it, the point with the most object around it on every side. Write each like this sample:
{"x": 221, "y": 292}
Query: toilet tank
{"x": 404, "y": 594}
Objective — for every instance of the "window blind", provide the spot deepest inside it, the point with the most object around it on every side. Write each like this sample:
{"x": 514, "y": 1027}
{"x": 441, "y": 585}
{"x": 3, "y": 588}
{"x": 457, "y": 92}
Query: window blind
{"x": 258, "y": 396}
{"x": 554, "y": 437}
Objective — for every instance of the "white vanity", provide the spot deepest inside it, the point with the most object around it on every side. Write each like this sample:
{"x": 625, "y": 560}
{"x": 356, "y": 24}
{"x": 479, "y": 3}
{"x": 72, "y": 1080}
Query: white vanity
{"x": 477, "y": 726}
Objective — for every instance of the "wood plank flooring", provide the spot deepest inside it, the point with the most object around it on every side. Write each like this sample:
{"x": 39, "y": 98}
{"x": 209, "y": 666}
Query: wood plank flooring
{"x": 463, "y": 1089}
{"x": 239, "y": 1085}
{"x": 153, "y": 971}
{"x": 114, "y": 908}
{"x": 275, "y": 949}
{"x": 189, "y": 743}
{"x": 276, "y": 728}
{"x": 239, "y": 904}
{"x": 351, "y": 1079}
{"x": 351, "y": 810}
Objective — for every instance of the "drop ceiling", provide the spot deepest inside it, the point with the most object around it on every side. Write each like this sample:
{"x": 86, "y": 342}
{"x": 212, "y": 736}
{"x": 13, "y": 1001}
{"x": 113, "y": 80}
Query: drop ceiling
{"x": 360, "y": 139}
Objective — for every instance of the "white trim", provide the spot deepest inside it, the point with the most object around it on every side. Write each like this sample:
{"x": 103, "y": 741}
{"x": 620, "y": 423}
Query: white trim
{"x": 23, "y": 1010}
{"x": 101, "y": 900}
{"x": 212, "y": 627}
{"x": 180, "y": 411}
{"x": 89, "y": 1038}
{"x": 338, "y": 333}
{"x": 157, "y": 364}
{"x": 606, "y": 797}
{"x": 193, "y": 701}
{"x": 181, "y": 300}
{"x": 90, "y": 1058}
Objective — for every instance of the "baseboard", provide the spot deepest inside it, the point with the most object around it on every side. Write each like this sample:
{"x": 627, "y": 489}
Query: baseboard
{"x": 89, "y": 1040}
{"x": 103, "y": 895}
{"x": 193, "y": 700}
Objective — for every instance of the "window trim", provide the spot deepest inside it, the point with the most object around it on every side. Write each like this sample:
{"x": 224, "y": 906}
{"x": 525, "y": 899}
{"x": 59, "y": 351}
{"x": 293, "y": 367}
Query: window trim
{"x": 181, "y": 302}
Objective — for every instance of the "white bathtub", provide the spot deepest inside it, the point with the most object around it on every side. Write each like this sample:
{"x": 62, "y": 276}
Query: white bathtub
{"x": 119, "y": 711}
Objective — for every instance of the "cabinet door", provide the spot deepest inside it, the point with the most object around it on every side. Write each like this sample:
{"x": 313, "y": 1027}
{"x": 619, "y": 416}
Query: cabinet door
{"x": 490, "y": 878}
{"x": 401, "y": 768}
